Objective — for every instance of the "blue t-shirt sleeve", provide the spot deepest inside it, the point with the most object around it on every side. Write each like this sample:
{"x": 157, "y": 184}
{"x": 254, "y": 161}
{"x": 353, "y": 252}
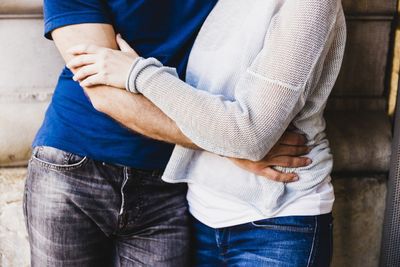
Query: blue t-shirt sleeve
{"x": 59, "y": 13}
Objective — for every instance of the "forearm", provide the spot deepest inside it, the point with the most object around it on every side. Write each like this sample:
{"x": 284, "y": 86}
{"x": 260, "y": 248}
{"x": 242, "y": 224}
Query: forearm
{"x": 267, "y": 96}
{"x": 140, "y": 115}
{"x": 247, "y": 127}
{"x": 133, "y": 111}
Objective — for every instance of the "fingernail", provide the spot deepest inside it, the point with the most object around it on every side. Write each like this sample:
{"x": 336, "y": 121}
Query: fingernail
{"x": 295, "y": 178}
{"x": 74, "y": 78}
{"x": 309, "y": 161}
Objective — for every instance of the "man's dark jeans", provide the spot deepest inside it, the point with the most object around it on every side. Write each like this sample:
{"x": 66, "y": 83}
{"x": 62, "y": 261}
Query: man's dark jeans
{"x": 80, "y": 212}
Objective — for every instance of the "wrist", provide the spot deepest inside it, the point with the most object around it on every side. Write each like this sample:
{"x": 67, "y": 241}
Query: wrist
{"x": 138, "y": 66}
{"x": 129, "y": 84}
{"x": 142, "y": 71}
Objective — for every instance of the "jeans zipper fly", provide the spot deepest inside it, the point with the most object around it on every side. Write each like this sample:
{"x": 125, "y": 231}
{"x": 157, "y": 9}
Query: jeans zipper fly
{"x": 122, "y": 190}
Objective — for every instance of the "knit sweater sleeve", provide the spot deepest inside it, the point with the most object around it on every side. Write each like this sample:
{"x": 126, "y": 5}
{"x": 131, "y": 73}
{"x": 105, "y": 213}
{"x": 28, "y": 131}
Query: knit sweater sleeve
{"x": 268, "y": 95}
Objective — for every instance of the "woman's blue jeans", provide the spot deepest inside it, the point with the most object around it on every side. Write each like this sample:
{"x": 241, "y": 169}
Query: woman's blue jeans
{"x": 295, "y": 241}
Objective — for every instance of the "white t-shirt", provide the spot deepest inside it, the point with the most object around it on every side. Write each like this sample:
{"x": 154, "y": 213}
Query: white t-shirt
{"x": 207, "y": 204}
{"x": 256, "y": 66}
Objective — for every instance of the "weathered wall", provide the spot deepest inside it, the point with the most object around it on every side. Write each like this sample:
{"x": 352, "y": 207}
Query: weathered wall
{"x": 360, "y": 132}
{"x": 29, "y": 67}
{"x": 358, "y": 216}
{"x": 14, "y": 247}
{"x": 394, "y": 81}
{"x": 358, "y": 125}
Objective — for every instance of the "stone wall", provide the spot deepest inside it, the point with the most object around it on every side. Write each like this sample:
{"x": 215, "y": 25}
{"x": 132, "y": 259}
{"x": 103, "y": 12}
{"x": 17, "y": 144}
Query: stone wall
{"x": 358, "y": 126}
{"x": 14, "y": 247}
{"x": 360, "y": 132}
{"x": 29, "y": 68}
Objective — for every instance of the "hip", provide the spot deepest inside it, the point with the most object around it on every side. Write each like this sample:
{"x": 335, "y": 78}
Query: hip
{"x": 282, "y": 241}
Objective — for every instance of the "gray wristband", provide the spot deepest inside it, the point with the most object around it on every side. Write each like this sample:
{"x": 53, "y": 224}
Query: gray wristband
{"x": 137, "y": 67}
{"x": 127, "y": 83}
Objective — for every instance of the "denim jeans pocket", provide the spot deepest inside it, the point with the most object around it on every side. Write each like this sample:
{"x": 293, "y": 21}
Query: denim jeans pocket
{"x": 299, "y": 224}
{"x": 57, "y": 159}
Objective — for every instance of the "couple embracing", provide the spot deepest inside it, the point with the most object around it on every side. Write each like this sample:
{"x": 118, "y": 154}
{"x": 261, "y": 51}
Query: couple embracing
{"x": 186, "y": 133}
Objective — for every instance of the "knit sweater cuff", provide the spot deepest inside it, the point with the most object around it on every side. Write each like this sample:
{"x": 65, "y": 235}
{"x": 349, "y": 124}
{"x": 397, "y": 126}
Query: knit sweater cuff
{"x": 141, "y": 70}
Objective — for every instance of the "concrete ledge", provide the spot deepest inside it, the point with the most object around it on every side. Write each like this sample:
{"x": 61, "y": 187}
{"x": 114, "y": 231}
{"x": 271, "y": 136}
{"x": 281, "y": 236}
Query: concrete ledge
{"x": 21, "y": 7}
{"x": 365, "y": 59}
{"x": 355, "y": 103}
{"x": 381, "y": 7}
{"x": 358, "y": 211}
{"x": 360, "y": 141}
{"x": 29, "y": 63}
{"x": 29, "y": 69}
{"x": 20, "y": 122}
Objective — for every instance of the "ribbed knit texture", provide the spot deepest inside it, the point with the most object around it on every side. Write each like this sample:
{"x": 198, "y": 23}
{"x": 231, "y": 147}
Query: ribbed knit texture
{"x": 287, "y": 80}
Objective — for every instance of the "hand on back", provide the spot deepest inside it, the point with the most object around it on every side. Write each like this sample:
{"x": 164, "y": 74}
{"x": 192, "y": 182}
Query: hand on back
{"x": 289, "y": 152}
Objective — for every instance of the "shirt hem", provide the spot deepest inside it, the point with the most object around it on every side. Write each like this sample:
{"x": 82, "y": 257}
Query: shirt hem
{"x": 158, "y": 165}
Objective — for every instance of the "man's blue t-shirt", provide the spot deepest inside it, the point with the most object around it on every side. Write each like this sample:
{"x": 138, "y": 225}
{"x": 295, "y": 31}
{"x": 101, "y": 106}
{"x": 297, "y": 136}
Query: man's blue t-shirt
{"x": 164, "y": 29}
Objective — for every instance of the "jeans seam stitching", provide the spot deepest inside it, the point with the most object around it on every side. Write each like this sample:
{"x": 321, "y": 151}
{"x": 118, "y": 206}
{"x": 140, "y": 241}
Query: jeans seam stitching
{"x": 310, "y": 257}
{"x": 25, "y": 205}
{"x": 285, "y": 228}
{"x": 59, "y": 166}
{"x": 38, "y": 153}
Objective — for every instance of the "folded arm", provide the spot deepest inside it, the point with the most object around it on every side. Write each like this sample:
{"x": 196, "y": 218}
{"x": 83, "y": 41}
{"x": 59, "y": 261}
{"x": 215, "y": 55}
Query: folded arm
{"x": 133, "y": 111}
{"x": 139, "y": 114}
{"x": 268, "y": 95}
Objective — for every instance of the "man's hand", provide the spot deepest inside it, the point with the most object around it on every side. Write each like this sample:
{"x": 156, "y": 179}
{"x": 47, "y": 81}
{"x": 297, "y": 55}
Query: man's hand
{"x": 286, "y": 153}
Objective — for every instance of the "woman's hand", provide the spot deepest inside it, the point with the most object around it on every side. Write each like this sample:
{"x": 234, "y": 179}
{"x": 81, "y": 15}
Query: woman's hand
{"x": 288, "y": 152}
{"x": 99, "y": 65}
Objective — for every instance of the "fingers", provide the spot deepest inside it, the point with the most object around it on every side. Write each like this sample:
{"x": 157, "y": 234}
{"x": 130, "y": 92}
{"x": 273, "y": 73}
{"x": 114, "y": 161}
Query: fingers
{"x": 84, "y": 49}
{"x": 287, "y": 150}
{"x": 92, "y": 81}
{"x": 85, "y": 72}
{"x": 277, "y": 176}
{"x": 290, "y": 162}
{"x": 261, "y": 169}
{"x": 123, "y": 45}
{"x": 80, "y": 61}
{"x": 293, "y": 139}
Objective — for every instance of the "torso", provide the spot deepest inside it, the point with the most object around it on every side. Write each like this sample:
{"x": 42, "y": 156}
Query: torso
{"x": 162, "y": 29}
{"x": 230, "y": 39}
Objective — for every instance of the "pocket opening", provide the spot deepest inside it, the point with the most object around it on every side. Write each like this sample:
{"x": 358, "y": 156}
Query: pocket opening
{"x": 56, "y": 159}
